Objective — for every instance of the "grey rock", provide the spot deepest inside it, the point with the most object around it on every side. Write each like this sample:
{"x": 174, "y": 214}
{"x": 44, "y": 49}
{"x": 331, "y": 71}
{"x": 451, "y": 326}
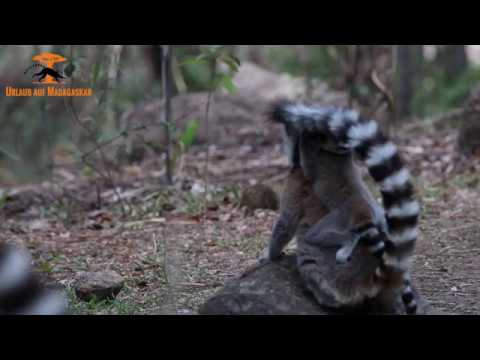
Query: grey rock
{"x": 259, "y": 196}
{"x": 276, "y": 289}
{"x": 100, "y": 285}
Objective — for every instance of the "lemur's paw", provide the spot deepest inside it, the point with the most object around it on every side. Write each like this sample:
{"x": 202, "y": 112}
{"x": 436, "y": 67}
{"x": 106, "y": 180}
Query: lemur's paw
{"x": 266, "y": 257}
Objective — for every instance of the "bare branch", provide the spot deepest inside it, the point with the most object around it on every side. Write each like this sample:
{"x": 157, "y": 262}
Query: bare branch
{"x": 167, "y": 109}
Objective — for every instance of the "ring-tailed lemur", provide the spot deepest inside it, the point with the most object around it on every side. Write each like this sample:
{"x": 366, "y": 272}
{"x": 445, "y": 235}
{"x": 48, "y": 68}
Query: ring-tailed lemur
{"x": 21, "y": 291}
{"x": 340, "y": 132}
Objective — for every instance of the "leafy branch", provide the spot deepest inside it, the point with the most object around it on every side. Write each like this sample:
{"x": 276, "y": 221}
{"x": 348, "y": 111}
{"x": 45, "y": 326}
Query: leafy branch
{"x": 214, "y": 55}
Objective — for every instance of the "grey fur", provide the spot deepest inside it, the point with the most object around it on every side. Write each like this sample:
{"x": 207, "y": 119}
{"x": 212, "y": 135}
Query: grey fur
{"x": 324, "y": 247}
{"x": 22, "y": 292}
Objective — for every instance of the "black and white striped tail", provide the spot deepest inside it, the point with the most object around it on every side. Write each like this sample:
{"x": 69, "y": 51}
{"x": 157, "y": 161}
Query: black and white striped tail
{"x": 373, "y": 240}
{"x": 381, "y": 156}
{"x": 408, "y": 296}
{"x": 21, "y": 292}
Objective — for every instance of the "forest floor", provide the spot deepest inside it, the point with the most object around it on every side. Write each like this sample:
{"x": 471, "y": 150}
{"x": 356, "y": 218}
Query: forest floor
{"x": 173, "y": 256}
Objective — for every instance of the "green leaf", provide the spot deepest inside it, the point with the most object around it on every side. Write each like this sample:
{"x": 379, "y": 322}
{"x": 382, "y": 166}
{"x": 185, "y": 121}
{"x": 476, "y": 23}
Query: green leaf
{"x": 96, "y": 72}
{"x": 235, "y": 59}
{"x": 216, "y": 81}
{"x": 3, "y": 200}
{"x": 190, "y": 133}
{"x": 46, "y": 267}
{"x": 228, "y": 84}
{"x": 202, "y": 57}
{"x": 9, "y": 154}
{"x": 212, "y": 50}
{"x": 69, "y": 69}
{"x": 101, "y": 99}
{"x": 232, "y": 64}
{"x": 194, "y": 60}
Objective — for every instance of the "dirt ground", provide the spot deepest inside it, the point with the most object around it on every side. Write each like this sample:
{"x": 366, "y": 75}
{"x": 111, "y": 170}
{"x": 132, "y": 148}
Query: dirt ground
{"x": 174, "y": 260}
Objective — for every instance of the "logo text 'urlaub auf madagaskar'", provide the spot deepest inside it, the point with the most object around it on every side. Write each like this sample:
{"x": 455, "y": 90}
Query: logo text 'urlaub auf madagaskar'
{"x": 49, "y": 79}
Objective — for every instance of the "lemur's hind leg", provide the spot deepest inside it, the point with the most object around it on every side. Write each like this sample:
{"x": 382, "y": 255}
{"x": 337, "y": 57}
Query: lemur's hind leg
{"x": 291, "y": 213}
{"x": 317, "y": 262}
{"x": 333, "y": 231}
{"x": 315, "y": 281}
{"x": 283, "y": 232}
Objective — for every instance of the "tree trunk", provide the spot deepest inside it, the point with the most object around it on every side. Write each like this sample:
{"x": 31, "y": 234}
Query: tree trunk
{"x": 167, "y": 95}
{"x": 111, "y": 121}
{"x": 156, "y": 56}
{"x": 453, "y": 58}
{"x": 408, "y": 73}
{"x": 469, "y": 135}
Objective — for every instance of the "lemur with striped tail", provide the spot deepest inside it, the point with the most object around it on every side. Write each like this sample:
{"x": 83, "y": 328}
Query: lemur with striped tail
{"x": 326, "y": 139}
{"x": 21, "y": 291}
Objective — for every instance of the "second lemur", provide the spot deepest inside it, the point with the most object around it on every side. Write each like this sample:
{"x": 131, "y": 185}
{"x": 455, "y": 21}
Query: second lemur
{"x": 21, "y": 290}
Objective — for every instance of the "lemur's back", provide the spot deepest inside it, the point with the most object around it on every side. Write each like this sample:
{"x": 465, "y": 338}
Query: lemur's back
{"x": 336, "y": 181}
{"x": 328, "y": 138}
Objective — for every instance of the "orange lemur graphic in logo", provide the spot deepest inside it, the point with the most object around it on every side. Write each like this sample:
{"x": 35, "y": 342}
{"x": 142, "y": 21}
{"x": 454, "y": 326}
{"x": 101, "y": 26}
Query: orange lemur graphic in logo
{"x": 48, "y": 75}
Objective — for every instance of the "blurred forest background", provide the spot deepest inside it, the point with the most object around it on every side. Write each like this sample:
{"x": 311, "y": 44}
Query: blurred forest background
{"x": 406, "y": 83}
{"x": 173, "y": 147}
